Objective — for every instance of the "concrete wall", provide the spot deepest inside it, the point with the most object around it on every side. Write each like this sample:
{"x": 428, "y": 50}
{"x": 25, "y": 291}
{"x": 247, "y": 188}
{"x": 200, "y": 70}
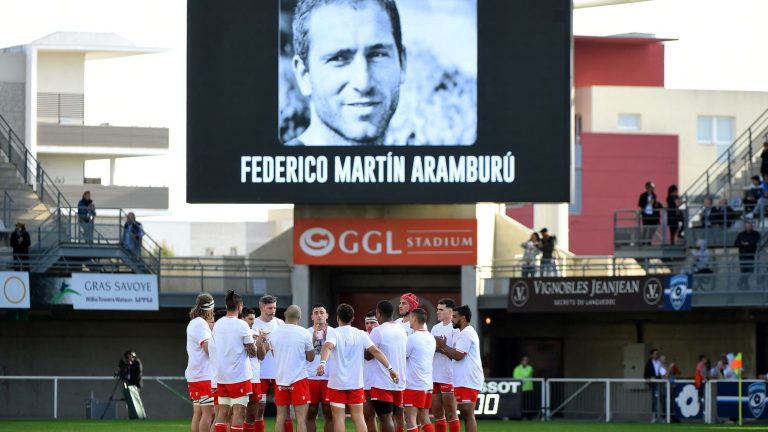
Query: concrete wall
{"x": 90, "y": 344}
{"x": 61, "y": 72}
{"x": 13, "y": 69}
{"x": 64, "y": 169}
{"x": 593, "y": 346}
{"x": 672, "y": 112}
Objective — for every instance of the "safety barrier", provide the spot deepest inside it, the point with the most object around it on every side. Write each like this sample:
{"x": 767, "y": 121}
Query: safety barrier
{"x": 554, "y": 399}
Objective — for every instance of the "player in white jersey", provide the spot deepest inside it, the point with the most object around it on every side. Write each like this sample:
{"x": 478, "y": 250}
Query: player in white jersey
{"x": 234, "y": 345}
{"x": 198, "y": 372}
{"x": 318, "y": 385}
{"x": 467, "y": 368}
{"x": 443, "y": 401}
{"x": 266, "y": 323}
{"x": 213, "y": 360}
{"x": 387, "y": 396}
{"x": 419, "y": 352}
{"x": 292, "y": 348}
{"x": 249, "y": 316}
{"x": 408, "y": 302}
{"x": 368, "y": 370}
{"x": 345, "y": 347}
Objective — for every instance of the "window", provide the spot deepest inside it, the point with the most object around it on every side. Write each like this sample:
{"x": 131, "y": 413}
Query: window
{"x": 629, "y": 121}
{"x": 716, "y": 130}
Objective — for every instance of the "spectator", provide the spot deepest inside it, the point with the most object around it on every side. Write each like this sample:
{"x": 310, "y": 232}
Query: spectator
{"x": 548, "y": 243}
{"x": 753, "y": 195}
{"x": 723, "y": 214}
{"x": 764, "y": 157}
{"x": 133, "y": 232}
{"x": 531, "y": 249}
{"x": 86, "y": 213}
{"x": 701, "y": 258}
{"x": 701, "y": 376}
{"x": 20, "y": 243}
{"x": 747, "y": 241}
{"x": 674, "y": 214}
{"x": 646, "y": 197}
{"x": 722, "y": 369}
{"x": 651, "y": 220}
{"x": 524, "y": 372}
{"x": 705, "y": 217}
{"x": 669, "y": 370}
{"x": 653, "y": 371}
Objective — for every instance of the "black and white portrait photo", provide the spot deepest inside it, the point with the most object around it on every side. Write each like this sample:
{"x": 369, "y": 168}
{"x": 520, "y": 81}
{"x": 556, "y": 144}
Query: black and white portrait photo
{"x": 377, "y": 72}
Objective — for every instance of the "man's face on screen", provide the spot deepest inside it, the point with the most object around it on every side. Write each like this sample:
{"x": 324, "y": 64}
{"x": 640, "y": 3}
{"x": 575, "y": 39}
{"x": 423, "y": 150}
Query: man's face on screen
{"x": 354, "y": 70}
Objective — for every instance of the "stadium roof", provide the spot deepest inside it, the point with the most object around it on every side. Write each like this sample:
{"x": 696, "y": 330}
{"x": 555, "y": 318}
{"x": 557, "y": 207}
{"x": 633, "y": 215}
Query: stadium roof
{"x": 94, "y": 45}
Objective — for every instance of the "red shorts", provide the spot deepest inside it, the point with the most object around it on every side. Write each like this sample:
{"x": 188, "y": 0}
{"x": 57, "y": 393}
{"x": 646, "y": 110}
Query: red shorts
{"x": 256, "y": 395}
{"x": 417, "y": 398}
{"x": 294, "y": 394}
{"x": 265, "y": 384}
{"x": 394, "y": 396}
{"x": 346, "y": 397}
{"x": 199, "y": 390}
{"x": 235, "y": 390}
{"x": 465, "y": 395}
{"x": 442, "y": 388}
{"x": 318, "y": 392}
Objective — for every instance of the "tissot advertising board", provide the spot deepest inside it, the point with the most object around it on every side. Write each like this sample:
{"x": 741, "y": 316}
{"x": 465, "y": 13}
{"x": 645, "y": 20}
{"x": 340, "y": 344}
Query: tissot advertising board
{"x": 389, "y": 101}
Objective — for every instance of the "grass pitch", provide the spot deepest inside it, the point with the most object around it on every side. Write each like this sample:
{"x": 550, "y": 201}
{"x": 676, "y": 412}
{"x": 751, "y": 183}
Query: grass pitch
{"x": 483, "y": 426}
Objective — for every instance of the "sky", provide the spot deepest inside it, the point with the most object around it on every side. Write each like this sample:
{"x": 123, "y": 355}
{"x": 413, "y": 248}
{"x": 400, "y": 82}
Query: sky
{"x": 720, "y": 45}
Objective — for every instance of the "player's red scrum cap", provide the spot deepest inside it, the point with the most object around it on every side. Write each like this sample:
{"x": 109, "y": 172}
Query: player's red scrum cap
{"x": 413, "y": 301}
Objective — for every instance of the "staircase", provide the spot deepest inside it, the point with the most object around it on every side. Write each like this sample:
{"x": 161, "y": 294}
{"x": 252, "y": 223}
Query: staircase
{"x": 28, "y": 195}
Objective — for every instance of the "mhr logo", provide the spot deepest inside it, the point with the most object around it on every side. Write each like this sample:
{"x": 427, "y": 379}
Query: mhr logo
{"x": 385, "y": 241}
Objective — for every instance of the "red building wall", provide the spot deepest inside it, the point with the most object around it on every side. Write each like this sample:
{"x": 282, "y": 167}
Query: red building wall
{"x": 618, "y": 61}
{"x": 615, "y": 168}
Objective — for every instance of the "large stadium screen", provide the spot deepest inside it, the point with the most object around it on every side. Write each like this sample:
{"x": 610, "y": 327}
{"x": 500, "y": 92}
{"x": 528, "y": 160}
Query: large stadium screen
{"x": 378, "y": 101}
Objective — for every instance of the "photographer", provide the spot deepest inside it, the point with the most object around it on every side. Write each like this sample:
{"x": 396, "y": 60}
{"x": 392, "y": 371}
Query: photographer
{"x": 130, "y": 369}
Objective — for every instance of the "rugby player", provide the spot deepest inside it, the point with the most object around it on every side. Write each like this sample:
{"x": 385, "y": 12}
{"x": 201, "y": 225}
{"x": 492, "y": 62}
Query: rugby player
{"x": 234, "y": 345}
{"x": 345, "y": 347}
{"x": 318, "y": 385}
{"x": 443, "y": 401}
{"x": 467, "y": 368}
{"x": 419, "y": 353}
{"x": 387, "y": 396}
{"x": 292, "y": 348}
{"x": 368, "y": 412}
{"x": 266, "y": 323}
{"x": 198, "y": 372}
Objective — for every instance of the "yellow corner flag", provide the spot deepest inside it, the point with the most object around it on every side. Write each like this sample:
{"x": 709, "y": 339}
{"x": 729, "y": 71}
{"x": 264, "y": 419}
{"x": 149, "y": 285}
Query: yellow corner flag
{"x": 736, "y": 367}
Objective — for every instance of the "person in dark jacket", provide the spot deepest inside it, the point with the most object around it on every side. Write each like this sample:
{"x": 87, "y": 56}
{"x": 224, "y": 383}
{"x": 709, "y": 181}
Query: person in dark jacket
{"x": 653, "y": 371}
{"x": 131, "y": 370}
{"x": 747, "y": 241}
{"x": 86, "y": 214}
{"x": 20, "y": 242}
{"x": 764, "y": 164}
{"x": 547, "y": 246}
{"x": 674, "y": 214}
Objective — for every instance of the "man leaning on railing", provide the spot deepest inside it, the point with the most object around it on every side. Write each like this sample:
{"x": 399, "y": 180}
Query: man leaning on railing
{"x": 86, "y": 213}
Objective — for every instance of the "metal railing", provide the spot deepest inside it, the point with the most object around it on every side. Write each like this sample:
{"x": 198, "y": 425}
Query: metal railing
{"x": 632, "y": 228}
{"x": 735, "y": 162}
{"x": 79, "y": 393}
{"x": 5, "y": 216}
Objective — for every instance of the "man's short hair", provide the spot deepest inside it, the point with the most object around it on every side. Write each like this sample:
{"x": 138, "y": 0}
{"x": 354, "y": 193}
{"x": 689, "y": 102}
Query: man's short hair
{"x": 293, "y": 313}
{"x": 385, "y": 308}
{"x": 267, "y": 299}
{"x": 345, "y": 313}
{"x": 420, "y": 315}
{"x": 232, "y": 300}
{"x": 303, "y": 13}
{"x": 447, "y": 302}
{"x": 371, "y": 314}
{"x": 219, "y": 314}
{"x": 248, "y": 311}
{"x": 318, "y": 305}
{"x": 653, "y": 350}
{"x": 464, "y": 311}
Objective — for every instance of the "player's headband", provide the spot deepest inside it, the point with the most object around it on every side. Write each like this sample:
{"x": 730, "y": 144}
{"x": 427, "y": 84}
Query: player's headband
{"x": 207, "y": 306}
{"x": 371, "y": 319}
